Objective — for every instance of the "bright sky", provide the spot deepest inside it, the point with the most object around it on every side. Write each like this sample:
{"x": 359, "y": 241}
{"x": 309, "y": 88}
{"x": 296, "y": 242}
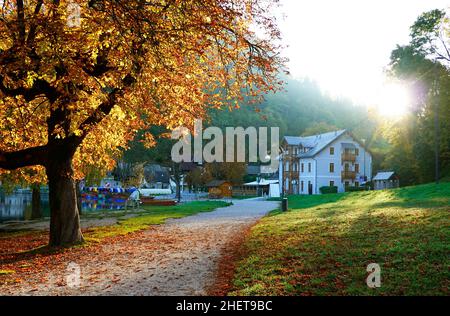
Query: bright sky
{"x": 345, "y": 44}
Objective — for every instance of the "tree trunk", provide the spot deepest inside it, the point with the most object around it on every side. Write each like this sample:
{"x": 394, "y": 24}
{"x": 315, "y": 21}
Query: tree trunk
{"x": 79, "y": 199}
{"x": 36, "y": 202}
{"x": 178, "y": 191}
{"x": 64, "y": 216}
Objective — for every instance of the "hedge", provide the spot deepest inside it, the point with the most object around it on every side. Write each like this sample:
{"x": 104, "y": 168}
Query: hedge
{"x": 355, "y": 189}
{"x": 328, "y": 189}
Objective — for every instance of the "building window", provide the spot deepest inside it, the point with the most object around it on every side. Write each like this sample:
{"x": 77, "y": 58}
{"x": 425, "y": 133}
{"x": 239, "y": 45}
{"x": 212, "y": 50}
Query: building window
{"x": 357, "y": 168}
{"x": 301, "y": 184}
{"x": 331, "y": 150}
{"x": 309, "y": 167}
{"x": 357, "y": 151}
{"x": 346, "y": 184}
{"x": 331, "y": 167}
{"x": 331, "y": 183}
{"x": 303, "y": 168}
{"x": 356, "y": 184}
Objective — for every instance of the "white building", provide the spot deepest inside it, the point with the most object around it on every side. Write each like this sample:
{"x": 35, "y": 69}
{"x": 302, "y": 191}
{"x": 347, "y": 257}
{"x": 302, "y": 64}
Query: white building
{"x": 329, "y": 159}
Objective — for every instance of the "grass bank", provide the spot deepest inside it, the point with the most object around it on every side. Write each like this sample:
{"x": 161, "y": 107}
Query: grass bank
{"x": 127, "y": 221}
{"x": 152, "y": 215}
{"x": 324, "y": 243}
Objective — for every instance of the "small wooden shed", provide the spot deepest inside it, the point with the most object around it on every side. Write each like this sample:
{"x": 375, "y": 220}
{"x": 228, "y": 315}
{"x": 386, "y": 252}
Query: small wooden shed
{"x": 219, "y": 189}
{"x": 385, "y": 180}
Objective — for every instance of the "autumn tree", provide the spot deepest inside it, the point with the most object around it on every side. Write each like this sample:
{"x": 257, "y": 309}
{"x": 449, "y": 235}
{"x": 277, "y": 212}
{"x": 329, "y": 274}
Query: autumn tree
{"x": 233, "y": 172}
{"x": 77, "y": 75}
{"x": 137, "y": 176}
{"x": 194, "y": 179}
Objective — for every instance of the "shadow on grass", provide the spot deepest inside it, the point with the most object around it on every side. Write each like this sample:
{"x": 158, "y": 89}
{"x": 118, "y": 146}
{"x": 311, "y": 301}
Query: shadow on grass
{"x": 325, "y": 250}
{"x": 307, "y": 201}
{"x": 329, "y": 212}
{"x": 411, "y": 204}
{"x": 420, "y": 196}
{"x": 30, "y": 254}
{"x": 411, "y": 254}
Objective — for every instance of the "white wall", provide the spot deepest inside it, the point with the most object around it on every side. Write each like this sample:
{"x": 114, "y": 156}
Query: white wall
{"x": 322, "y": 162}
{"x": 324, "y": 158}
{"x": 307, "y": 176}
{"x": 367, "y": 170}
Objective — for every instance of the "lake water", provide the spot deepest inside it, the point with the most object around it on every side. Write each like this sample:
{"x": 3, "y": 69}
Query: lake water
{"x": 17, "y": 206}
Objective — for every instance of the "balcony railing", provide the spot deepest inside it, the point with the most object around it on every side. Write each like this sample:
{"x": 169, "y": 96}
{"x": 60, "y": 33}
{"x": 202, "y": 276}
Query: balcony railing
{"x": 351, "y": 157}
{"x": 349, "y": 175}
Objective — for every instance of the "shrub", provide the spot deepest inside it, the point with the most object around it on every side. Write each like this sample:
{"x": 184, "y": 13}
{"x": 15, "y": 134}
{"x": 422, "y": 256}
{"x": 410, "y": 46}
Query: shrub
{"x": 368, "y": 185}
{"x": 355, "y": 189}
{"x": 328, "y": 189}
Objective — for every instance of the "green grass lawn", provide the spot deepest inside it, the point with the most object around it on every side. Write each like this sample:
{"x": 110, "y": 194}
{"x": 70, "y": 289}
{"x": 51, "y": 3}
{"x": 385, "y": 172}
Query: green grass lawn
{"x": 324, "y": 243}
{"x": 153, "y": 215}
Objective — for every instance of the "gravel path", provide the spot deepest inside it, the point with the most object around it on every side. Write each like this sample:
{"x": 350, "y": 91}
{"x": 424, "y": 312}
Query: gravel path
{"x": 177, "y": 258}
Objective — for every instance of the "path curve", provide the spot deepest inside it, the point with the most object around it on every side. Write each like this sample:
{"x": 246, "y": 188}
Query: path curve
{"x": 179, "y": 257}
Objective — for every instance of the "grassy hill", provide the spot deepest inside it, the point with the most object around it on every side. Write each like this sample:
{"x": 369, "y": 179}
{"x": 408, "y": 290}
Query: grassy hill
{"x": 324, "y": 243}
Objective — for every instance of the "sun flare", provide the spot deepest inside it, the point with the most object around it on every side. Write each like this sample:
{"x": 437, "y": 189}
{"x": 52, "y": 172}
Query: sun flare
{"x": 394, "y": 100}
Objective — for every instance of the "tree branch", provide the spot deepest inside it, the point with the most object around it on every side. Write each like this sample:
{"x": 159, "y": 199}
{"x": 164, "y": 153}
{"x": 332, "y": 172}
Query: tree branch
{"x": 33, "y": 26}
{"x": 103, "y": 109}
{"x": 21, "y": 21}
{"x": 23, "y": 158}
{"x": 99, "y": 114}
{"x": 39, "y": 87}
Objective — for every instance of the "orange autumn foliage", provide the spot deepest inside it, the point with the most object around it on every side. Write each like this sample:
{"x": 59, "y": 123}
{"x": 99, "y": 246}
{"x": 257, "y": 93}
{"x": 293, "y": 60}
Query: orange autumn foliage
{"x": 79, "y": 78}
{"x": 163, "y": 62}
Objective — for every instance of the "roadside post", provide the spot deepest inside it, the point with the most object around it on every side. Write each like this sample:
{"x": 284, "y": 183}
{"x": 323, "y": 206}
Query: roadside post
{"x": 284, "y": 204}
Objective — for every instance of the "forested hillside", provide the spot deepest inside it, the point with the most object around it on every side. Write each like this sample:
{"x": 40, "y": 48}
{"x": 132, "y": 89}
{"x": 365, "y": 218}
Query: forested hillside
{"x": 406, "y": 144}
{"x": 301, "y": 109}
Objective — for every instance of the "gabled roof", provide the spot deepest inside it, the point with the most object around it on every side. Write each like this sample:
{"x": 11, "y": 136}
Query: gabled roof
{"x": 262, "y": 182}
{"x": 293, "y": 140}
{"x": 384, "y": 175}
{"x": 315, "y": 142}
{"x": 215, "y": 183}
{"x": 319, "y": 142}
